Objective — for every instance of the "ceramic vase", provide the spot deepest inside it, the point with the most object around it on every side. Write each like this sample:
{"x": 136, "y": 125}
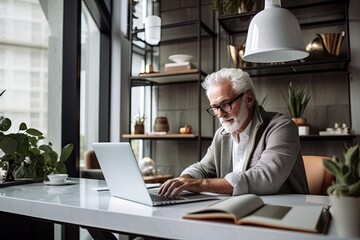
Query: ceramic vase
{"x": 346, "y": 215}
{"x": 161, "y": 124}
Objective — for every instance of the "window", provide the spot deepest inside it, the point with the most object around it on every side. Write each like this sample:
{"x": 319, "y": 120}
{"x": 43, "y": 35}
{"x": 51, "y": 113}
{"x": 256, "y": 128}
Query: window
{"x": 89, "y": 82}
{"x": 30, "y": 61}
{"x": 25, "y": 43}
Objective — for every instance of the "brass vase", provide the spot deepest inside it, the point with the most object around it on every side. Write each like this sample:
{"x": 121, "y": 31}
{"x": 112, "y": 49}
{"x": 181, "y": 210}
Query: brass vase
{"x": 236, "y": 52}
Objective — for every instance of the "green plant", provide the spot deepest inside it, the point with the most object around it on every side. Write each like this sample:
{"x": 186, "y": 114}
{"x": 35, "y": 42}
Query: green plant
{"x": 226, "y": 7}
{"x": 140, "y": 119}
{"x": 297, "y": 100}
{"x": 347, "y": 173}
{"x": 25, "y": 157}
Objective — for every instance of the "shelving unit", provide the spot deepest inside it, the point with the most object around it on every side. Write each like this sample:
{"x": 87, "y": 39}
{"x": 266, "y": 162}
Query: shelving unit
{"x": 313, "y": 15}
{"x": 187, "y": 31}
{"x": 333, "y": 13}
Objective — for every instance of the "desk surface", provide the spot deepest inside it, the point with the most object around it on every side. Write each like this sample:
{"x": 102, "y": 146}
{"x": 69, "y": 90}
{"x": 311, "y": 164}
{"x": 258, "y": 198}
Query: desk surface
{"x": 83, "y": 205}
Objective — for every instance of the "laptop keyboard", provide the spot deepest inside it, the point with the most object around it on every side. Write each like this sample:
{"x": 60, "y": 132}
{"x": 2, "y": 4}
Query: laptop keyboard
{"x": 160, "y": 198}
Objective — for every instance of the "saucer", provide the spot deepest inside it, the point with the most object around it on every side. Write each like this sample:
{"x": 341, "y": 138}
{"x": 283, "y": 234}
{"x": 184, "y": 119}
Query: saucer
{"x": 67, "y": 182}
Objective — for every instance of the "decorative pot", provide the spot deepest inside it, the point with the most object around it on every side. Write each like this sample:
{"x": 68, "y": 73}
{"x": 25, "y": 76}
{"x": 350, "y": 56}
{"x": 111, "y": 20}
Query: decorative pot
{"x": 300, "y": 121}
{"x": 161, "y": 124}
{"x": 139, "y": 129}
{"x": 346, "y": 214}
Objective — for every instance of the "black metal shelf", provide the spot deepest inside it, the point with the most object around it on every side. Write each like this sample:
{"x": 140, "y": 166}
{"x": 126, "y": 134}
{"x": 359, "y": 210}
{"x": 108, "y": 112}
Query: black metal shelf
{"x": 307, "y": 13}
{"x": 186, "y": 31}
{"x": 298, "y": 67}
{"x": 310, "y": 14}
{"x": 194, "y": 32}
{"x": 349, "y": 137}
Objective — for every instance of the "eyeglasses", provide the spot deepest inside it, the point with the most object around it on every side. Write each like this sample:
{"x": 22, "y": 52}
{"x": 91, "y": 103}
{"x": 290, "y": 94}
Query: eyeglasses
{"x": 225, "y": 107}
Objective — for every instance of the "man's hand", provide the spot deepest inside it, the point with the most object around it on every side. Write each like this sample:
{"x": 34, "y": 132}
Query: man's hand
{"x": 175, "y": 186}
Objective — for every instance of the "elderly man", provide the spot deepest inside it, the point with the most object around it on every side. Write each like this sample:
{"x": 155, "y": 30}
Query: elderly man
{"x": 254, "y": 151}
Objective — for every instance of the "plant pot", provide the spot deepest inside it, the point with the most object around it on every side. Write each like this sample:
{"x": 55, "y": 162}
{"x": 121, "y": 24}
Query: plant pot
{"x": 300, "y": 121}
{"x": 346, "y": 215}
{"x": 139, "y": 128}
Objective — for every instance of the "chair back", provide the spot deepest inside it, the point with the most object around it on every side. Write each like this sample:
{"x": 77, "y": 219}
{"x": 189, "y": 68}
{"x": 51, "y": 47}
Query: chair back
{"x": 317, "y": 177}
{"x": 91, "y": 161}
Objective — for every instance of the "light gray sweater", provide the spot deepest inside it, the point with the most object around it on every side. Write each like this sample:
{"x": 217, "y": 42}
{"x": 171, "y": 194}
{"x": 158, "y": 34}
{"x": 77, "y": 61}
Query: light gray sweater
{"x": 273, "y": 163}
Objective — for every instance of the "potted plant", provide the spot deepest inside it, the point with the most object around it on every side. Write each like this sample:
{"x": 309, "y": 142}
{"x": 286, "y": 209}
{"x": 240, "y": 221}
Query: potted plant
{"x": 345, "y": 192}
{"x": 226, "y": 7}
{"x": 297, "y": 100}
{"x": 139, "y": 123}
{"x": 24, "y": 156}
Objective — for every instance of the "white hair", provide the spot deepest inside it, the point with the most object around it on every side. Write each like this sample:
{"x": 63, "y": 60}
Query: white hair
{"x": 240, "y": 80}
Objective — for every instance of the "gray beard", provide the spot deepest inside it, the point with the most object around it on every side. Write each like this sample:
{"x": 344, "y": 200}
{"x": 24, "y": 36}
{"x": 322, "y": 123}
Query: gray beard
{"x": 238, "y": 121}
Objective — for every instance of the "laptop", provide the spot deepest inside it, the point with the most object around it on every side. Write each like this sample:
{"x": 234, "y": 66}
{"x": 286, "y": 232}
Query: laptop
{"x": 124, "y": 179}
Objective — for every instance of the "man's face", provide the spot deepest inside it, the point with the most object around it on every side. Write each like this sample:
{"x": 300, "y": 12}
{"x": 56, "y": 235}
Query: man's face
{"x": 233, "y": 120}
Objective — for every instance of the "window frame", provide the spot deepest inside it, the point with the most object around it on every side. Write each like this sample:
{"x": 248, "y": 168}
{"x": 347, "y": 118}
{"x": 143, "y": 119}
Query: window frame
{"x": 70, "y": 124}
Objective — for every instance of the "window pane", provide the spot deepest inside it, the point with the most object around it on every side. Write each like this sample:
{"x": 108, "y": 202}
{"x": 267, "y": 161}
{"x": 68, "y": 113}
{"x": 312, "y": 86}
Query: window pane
{"x": 89, "y": 85}
{"x": 31, "y": 65}
{"x": 24, "y": 63}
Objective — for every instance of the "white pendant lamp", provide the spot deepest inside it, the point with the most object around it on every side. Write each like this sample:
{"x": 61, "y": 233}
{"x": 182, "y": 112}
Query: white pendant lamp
{"x": 274, "y": 35}
{"x": 152, "y": 30}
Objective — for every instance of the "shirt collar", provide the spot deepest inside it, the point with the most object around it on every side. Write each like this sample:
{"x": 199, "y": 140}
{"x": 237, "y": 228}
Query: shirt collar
{"x": 244, "y": 133}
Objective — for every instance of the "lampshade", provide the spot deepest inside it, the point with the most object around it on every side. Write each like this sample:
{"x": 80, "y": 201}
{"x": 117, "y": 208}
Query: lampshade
{"x": 274, "y": 35}
{"x": 152, "y": 30}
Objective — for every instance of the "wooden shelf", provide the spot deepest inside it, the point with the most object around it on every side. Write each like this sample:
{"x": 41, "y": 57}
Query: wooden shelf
{"x": 160, "y": 136}
{"x": 191, "y": 75}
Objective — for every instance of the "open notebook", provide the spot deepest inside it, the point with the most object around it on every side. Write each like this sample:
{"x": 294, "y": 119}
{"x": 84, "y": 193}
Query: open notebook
{"x": 124, "y": 178}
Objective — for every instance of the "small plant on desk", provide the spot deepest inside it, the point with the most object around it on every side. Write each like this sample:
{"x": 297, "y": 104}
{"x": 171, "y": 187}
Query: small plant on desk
{"x": 345, "y": 193}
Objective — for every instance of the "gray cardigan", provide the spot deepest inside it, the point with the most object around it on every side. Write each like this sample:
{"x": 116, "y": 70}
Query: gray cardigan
{"x": 273, "y": 163}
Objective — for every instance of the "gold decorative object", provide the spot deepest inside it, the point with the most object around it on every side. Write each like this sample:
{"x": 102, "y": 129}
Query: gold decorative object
{"x": 326, "y": 44}
{"x": 187, "y": 129}
{"x": 236, "y": 52}
{"x": 333, "y": 42}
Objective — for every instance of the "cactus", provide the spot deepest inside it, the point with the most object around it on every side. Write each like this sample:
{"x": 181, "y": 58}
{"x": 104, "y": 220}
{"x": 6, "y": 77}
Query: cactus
{"x": 347, "y": 173}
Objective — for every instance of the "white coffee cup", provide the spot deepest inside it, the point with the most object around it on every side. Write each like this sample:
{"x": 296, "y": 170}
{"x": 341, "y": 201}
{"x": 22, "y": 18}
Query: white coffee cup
{"x": 57, "y": 178}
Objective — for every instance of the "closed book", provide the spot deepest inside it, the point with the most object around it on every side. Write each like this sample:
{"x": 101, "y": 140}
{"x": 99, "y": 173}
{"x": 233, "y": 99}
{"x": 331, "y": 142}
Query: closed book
{"x": 175, "y": 68}
{"x": 181, "y": 64}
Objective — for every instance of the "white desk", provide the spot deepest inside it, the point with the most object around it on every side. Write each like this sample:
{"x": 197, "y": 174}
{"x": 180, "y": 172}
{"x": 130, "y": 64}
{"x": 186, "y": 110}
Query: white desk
{"x": 80, "y": 204}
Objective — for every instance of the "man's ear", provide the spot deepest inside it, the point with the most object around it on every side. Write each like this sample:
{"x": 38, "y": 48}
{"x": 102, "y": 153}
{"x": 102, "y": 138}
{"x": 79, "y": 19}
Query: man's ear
{"x": 250, "y": 99}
